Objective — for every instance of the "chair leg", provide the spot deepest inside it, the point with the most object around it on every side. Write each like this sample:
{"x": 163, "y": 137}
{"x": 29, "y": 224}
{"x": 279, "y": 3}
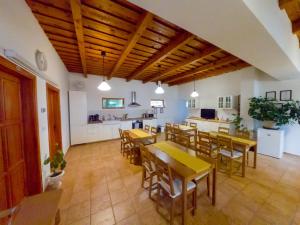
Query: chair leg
{"x": 247, "y": 158}
{"x": 208, "y": 184}
{"x": 230, "y": 167}
{"x": 172, "y": 212}
{"x": 158, "y": 198}
{"x": 150, "y": 185}
{"x": 143, "y": 177}
{"x": 194, "y": 202}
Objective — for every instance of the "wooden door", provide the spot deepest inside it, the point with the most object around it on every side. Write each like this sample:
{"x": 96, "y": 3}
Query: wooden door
{"x": 12, "y": 163}
{"x": 54, "y": 120}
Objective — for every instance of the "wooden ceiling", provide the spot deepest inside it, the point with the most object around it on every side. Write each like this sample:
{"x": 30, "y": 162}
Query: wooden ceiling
{"x": 292, "y": 8}
{"x": 136, "y": 42}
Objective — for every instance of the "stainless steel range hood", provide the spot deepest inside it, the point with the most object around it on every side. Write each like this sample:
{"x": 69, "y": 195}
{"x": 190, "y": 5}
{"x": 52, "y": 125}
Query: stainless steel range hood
{"x": 133, "y": 102}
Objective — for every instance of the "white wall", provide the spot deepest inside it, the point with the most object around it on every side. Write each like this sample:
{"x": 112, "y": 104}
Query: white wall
{"x": 122, "y": 89}
{"x": 292, "y": 132}
{"x": 248, "y": 82}
{"x": 210, "y": 89}
{"x": 21, "y": 32}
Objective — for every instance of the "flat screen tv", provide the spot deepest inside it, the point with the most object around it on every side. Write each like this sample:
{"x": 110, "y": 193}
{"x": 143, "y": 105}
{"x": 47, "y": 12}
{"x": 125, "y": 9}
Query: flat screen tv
{"x": 208, "y": 113}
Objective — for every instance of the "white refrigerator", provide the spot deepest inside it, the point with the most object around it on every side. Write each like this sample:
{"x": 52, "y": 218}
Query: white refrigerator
{"x": 270, "y": 142}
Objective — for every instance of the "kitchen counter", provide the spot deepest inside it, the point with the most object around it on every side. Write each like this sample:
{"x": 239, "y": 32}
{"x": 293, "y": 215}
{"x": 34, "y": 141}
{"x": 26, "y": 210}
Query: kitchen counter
{"x": 210, "y": 120}
{"x": 118, "y": 121}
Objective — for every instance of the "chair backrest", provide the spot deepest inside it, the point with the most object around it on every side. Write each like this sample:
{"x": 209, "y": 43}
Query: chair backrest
{"x": 153, "y": 130}
{"x": 164, "y": 174}
{"x": 181, "y": 138}
{"x": 225, "y": 143}
{"x": 243, "y": 133}
{"x": 204, "y": 144}
{"x": 184, "y": 123}
{"x": 176, "y": 125}
{"x": 129, "y": 139}
{"x": 223, "y": 130}
{"x": 147, "y": 128}
{"x": 147, "y": 159}
{"x": 194, "y": 125}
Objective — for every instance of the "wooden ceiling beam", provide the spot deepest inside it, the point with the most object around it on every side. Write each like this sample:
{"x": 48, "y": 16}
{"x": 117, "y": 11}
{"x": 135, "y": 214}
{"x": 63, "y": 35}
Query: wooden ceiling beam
{"x": 284, "y": 3}
{"x": 77, "y": 19}
{"x": 184, "y": 75}
{"x": 204, "y": 75}
{"x": 296, "y": 26}
{"x": 201, "y": 55}
{"x": 172, "y": 46}
{"x": 144, "y": 22}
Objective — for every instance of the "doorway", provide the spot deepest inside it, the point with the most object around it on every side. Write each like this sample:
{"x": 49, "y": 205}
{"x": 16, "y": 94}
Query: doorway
{"x": 20, "y": 165}
{"x": 54, "y": 119}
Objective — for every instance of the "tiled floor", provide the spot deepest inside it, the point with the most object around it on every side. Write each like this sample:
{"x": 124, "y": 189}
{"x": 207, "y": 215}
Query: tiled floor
{"x": 100, "y": 187}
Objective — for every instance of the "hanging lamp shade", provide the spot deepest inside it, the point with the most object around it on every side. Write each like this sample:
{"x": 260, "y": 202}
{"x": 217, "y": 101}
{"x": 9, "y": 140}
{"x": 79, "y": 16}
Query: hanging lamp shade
{"x": 103, "y": 86}
{"x": 194, "y": 94}
{"x": 159, "y": 90}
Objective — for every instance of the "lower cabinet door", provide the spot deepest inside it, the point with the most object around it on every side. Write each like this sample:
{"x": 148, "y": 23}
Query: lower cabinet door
{"x": 78, "y": 134}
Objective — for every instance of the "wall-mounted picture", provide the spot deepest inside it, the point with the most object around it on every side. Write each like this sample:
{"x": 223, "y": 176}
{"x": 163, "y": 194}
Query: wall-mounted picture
{"x": 271, "y": 95}
{"x": 286, "y": 95}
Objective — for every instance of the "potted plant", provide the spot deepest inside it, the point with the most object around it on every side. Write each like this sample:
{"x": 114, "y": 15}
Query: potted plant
{"x": 274, "y": 114}
{"x": 57, "y": 165}
{"x": 237, "y": 122}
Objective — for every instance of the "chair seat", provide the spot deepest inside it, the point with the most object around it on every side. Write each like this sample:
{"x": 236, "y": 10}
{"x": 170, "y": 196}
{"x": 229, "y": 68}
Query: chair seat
{"x": 177, "y": 183}
{"x": 236, "y": 154}
{"x": 201, "y": 176}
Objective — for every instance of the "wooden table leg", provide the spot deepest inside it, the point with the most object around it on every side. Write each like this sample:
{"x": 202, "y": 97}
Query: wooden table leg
{"x": 244, "y": 163}
{"x": 255, "y": 156}
{"x": 184, "y": 201}
{"x": 166, "y": 134}
{"x": 214, "y": 186}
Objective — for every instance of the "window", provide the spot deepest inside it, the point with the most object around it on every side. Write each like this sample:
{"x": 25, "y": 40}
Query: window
{"x": 112, "y": 103}
{"x": 157, "y": 103}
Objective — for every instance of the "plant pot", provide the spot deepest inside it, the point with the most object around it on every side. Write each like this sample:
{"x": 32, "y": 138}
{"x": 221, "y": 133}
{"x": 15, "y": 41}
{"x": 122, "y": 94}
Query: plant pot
{"x": 54, "y": 180}
{"x": 270, "y": 125}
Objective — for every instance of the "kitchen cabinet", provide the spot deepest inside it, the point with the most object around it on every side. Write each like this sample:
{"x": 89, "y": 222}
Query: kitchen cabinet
{"x": 211, "y": 125}
{"x": 227, "y": 102}
{"x": 126, "y": 125}
{"x": 151, "y": 123}
{"x": 192, "y": 103}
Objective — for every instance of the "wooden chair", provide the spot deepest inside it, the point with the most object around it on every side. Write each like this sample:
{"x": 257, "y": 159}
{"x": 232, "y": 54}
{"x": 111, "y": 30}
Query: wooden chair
{"x": 242, "y": 134}
{"x": 194, "y": 125}
{"x": 176, "y": 125}
{"x": 147, "y": 128}
{"x": 205, "y": 145}
{"x": 124, "y": 141}
{"x": 132, "y": 149}
{"x": 172, "y": 188}
{"x": 181, "y": 138}
{"x": 225, "y": 149}
{"x": 168, "y": 131}
{"x": 223, "y": 130}
{"x": 153, "y": 130}
{"x": 185, "y": 123}
{"x": 148, "y": 171}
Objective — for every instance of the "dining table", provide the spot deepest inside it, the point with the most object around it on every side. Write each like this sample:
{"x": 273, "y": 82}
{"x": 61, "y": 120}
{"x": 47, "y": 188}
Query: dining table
{"x": 246, "y": 144}
{"x": 140, "y": 135}
{"x": 186, "y": 166}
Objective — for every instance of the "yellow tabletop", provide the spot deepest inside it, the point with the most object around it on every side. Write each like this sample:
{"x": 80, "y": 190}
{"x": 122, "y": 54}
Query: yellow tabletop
{"x": 139, "y": 133}
{"x": 196, "y": 164}
{"x": 235, "y": 139}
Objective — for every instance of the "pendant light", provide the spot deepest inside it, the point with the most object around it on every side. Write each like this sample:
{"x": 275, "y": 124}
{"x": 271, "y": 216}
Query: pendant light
{"x": 103, "y": 86}
{"x": 194, "y": 94}
{"x": 159, "y": 90}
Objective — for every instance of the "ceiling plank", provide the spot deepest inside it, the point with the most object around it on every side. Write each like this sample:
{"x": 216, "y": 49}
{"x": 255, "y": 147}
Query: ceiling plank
{"x": 201, "y": 55}
{"x": 208, "y": 74}
{"x": 172, "y": 46}
{"x": 77, "y": 18}
{"x": 220, "y": 62}
{"x": 144, "y": 22}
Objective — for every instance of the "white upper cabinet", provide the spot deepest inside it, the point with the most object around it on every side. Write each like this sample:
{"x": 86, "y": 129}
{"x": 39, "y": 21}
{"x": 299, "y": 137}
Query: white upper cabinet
{"x": 192, "y": 103}
{"x": 227, "y": 102}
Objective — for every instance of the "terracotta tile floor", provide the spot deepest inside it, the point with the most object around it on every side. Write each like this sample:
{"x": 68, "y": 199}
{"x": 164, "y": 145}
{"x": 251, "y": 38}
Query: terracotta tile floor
{"x": 100, "y": 187}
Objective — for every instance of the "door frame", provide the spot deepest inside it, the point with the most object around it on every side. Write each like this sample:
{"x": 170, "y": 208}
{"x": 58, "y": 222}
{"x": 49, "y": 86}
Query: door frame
{"x": 51, "y": 88}
{"x": 31, "y": 144}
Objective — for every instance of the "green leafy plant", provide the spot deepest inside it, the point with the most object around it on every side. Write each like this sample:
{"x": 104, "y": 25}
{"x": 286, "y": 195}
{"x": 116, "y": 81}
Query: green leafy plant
{"x": 57, "y": 162}
{"x": 280, "y": 113}
{"x": 237, "y": 121}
